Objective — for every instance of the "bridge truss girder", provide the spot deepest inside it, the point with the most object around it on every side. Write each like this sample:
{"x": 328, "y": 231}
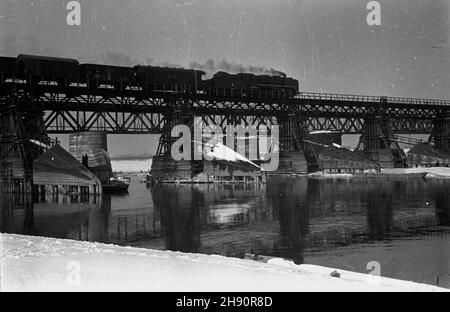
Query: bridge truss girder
{"x": 76, "y": 109}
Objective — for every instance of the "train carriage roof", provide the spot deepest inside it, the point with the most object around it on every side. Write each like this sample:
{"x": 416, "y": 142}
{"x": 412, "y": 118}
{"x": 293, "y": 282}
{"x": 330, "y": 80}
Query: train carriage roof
{"x": 162, "y": 68}
{"x": 5, "y": 61}
{"x": 25, "y": 57}
{"x": 7, "y": 64}
{"x": 103, "y": 66}
{"x": 7, "y": 58}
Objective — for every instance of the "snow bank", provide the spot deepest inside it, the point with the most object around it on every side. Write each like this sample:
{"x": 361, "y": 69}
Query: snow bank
{"x": 45, "y": 264}
{"x": 442, "y": 172}
{"x": 133, "y": 165}
{"x": 220, "y": 152}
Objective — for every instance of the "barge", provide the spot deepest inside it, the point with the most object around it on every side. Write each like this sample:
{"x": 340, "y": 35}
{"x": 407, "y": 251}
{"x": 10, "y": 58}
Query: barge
{"x": 117, "y": 185}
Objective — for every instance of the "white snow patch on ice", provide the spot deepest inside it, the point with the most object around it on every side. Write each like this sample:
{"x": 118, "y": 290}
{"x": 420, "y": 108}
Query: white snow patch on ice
{"x": 442, "y": 172}
{"x": 133, "y": 165}
{"x": 219, "y": 151}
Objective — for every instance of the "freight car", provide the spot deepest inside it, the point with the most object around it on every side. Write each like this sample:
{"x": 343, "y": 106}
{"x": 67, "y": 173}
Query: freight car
{"x": 35, "y": 69}
{"x": 7, "y": 68}
{"x": 96, "y": 75}
{"x": 165, "y": 79}
{"x": 250, "y": 85}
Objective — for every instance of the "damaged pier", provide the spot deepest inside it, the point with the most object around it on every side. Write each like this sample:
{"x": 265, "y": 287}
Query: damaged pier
{"x": 221, "y": 164}
{"x": 30, "y": 161}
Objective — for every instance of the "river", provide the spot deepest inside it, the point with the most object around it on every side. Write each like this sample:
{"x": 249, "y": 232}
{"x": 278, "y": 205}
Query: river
{"x": 401, "y": 227}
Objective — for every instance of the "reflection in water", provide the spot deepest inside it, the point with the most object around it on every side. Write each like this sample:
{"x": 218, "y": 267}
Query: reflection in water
{"x": 66, "y": 217}
{"x": 290, "y": 201}
{"x": 9, "y": 222}
{"x": 98, "y": 222}
{"x": 289, "y": 217}
{"x": 180, "y": 216}
{"x": 443, "y": 207}
{"x": 379, "y": 212}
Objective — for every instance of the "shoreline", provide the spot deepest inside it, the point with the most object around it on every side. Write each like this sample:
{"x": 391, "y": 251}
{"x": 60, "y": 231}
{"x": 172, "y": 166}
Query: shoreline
{"x": 46, "y": 264}
{"x": 396, "y": 173}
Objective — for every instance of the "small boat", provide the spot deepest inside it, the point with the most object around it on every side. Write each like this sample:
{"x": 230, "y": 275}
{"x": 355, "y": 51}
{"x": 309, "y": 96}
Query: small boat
{"x": 148, "y": 178}
{"x": 117, "y": 185}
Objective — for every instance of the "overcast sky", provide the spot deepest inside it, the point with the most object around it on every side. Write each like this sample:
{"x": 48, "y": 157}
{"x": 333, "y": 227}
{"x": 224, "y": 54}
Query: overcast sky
{"x": 326, "y": 44}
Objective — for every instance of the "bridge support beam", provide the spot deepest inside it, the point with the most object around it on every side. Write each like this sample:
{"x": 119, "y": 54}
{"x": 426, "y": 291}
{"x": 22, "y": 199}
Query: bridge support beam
{"x": 379, "y": 145}
{"x": 441, "y": 133}
{"x": 293, "y": 132}
{"x": 198, "y": 168}
{"x": 16, "y": 151}
{"x": 164, "y": 167}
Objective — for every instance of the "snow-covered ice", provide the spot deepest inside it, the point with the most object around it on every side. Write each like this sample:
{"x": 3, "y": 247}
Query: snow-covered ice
{"x": 132, "y": 165}
{"x": 432, "y": 172}
{"x": 46, "y": 264}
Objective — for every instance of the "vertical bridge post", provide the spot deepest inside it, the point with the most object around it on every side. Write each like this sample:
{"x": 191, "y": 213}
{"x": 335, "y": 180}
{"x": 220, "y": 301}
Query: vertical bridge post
{"x": 293, "y": 132}
{"x": 17, "y": 153}
{"x": 378, "y": 139}
{"x": 441, "y": 132}
{"x": 164, "y": 167}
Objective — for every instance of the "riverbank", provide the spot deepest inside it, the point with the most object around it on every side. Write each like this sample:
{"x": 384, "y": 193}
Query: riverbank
{"x": 46, "y": 264}
{"x": 431, "y": 172}
{"x": 427, "y": 173}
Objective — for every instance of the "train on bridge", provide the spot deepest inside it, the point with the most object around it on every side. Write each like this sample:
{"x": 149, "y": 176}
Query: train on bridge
{"x": 41, "y": 95}
{"x": 64, "y": 72}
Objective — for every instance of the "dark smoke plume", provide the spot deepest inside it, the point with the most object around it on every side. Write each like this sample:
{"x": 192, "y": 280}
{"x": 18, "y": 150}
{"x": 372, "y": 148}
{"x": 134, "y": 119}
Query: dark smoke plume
{"x": 211, "y": 67}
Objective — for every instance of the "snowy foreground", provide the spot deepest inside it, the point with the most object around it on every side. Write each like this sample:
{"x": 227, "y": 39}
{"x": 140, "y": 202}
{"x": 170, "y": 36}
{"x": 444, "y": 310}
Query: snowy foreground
{"x": 45, "y": 264}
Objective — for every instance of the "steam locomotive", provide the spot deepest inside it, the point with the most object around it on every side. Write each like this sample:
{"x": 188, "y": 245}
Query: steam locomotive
{"x": 7, "y": 68}
{"x": 63, "y": 72}
{"x": 250, "y": 85}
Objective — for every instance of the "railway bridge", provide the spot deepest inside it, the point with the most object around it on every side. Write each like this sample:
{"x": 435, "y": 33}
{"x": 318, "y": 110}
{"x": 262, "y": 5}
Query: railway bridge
{"x": 34, "y": 111}
{"x": 72, "y": 109}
